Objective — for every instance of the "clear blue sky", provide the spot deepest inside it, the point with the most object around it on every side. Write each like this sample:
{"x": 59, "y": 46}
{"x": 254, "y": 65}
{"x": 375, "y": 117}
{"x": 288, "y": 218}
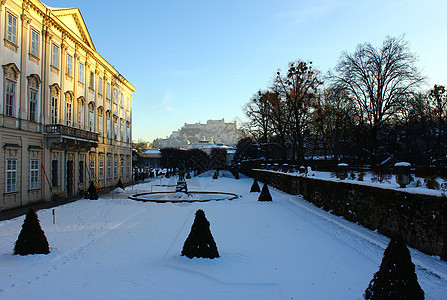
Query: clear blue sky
{"x": 196, "y": 60}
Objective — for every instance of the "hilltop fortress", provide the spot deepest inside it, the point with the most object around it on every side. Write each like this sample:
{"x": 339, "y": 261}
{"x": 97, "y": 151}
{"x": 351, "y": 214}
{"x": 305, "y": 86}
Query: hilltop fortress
{"x": 212, "y": 132}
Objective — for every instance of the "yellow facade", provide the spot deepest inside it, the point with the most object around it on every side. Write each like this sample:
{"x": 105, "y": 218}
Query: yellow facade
{"x": 65, "y": 114}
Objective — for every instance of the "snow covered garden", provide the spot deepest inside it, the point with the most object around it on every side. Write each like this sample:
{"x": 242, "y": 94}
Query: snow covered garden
{"x": 117, "y": 248}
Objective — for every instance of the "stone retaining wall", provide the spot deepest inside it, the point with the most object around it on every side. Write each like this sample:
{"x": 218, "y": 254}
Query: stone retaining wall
{"x": 421, "y": 220}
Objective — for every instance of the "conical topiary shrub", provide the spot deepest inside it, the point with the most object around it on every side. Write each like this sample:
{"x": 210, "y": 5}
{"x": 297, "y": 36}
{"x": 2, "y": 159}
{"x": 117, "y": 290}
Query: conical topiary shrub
{"x": 120, "y": 184}
{"x": 255, "y": 187}
{"x": 32, "y": 239}
{"x": 188, "y": 175}
{"x": 200, "y": 241}
{"x": 396, "y": 278}
{"x": 91, "y": 194}
{"x": 265, "y": 194}
{"x": 216, "y": 175}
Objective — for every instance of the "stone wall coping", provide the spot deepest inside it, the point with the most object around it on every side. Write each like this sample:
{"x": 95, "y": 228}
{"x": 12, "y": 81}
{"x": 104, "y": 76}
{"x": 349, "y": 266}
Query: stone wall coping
{"x": 407, "y": 190}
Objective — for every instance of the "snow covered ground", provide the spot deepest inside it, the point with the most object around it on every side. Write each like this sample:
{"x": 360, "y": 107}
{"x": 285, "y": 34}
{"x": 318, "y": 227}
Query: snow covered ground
{"x": 116, "y": 248}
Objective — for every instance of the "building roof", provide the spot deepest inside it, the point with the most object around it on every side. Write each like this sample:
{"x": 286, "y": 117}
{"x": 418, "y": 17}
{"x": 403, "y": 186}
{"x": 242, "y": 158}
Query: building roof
{"x": 72, "y": 18}
{"x": 151, "y": 153}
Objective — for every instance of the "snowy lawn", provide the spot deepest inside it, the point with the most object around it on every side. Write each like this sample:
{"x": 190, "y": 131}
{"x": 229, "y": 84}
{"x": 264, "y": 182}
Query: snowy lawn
{"x": 116, "y": 248}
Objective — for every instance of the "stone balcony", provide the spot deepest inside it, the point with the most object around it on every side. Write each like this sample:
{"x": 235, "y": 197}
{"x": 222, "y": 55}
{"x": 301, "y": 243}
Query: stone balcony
{"x": 66, "y": 137}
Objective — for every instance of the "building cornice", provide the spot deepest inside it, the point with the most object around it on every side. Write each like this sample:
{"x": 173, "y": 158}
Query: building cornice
{"x": 51, "y": 20}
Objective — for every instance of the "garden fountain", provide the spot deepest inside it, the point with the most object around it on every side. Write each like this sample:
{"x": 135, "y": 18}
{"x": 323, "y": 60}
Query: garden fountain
{"x": 181, "y": 194}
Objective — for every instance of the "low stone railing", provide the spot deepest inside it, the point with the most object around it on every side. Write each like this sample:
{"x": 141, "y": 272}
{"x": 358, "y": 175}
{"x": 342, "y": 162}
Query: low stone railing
{"x": 71, "y": 132}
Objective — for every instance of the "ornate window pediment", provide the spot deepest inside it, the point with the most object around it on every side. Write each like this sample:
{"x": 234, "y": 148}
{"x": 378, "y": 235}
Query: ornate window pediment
{"x": 11, "y": 71}
{"x": 91, "y": 106}
{"x": 69, "y": 96}
{"x": 81, "y": 101}
{"x": 34, "y": 81}
{"x": 55, "y": 89}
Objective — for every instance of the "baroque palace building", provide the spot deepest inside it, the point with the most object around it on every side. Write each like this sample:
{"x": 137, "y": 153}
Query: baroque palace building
{"x": 65, "y": 113}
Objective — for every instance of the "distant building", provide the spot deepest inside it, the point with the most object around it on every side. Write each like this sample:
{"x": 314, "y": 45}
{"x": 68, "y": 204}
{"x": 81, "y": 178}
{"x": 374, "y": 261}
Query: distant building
{"x": 65, "y": 114}
{"x": 150, "y": 158}
{"x": 213, "y": 131}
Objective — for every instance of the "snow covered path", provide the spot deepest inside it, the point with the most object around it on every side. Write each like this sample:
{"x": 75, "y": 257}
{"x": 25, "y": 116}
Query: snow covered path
{"x": 116, "y": 248}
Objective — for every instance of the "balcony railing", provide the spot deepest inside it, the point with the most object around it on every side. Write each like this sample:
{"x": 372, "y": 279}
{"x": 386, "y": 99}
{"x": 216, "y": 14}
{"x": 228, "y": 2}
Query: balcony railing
{"x": 71, "y": 132}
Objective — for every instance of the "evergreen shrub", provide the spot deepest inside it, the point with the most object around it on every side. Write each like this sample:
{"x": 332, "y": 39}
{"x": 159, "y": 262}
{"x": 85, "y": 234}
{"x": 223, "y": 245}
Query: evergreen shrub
{"x": 361, "y": 175}
{"x": 120, "y": 184}
{"x": 265, "y": 194}
{"x": 200, "y": 241}
{"x": 396, "y": 278}
{"x": 32, "y": 239}
{"x": 91, "y": 194}
{"x": 432, "y": 183}
{"x": 255, "y": 187}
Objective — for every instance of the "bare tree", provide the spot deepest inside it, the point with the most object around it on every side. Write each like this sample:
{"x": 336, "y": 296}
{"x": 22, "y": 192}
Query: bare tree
{"x": 332, "y": 120}
{"x": 268, "y": 121}
{"x": 279, "y": 117}
{"x": 298, "y": 88}
{"x": 377, "y": 80}
{"x": 438, "y": 105}
{"x": 257, "y": 112}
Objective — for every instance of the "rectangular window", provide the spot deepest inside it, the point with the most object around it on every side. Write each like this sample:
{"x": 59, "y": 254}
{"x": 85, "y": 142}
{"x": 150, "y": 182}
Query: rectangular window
{"x": 34, "y": 43}
{"x": 81, "y": 73}
{"x": 11, "y": 35}
{"x": 54, "y": 110}
{"x": 10, "y": 97}
{"x": 100, "y": 124}
{"x": 108, "y": 91}
{"x": 91, "y": 120}
{"x": 92, "y": 168}
{"x": 109, "y": 127}
{"x": 109, "y": 167}
{"x": 128, "y": 166}
{"x": 68, "y": 114}
{"x": 91, "y": 82}
{"x": 11, "y": 175}
{"x": 115, "y": 96}
{"x": 128, "y": 133}
{"x": 100, "y": 85}
{"x": 34, "y": 174}
{"x": 55, "y": 57}
{"x": 69, "y": 71}
{"x": 33, "y": 105}
{"x": 54, "y": 173}
{"x": 122, "y": 167}
{"x": 101, "y": 168}
{"x": 81, "y": 116}
{"x": 115, "y": 168}
{"x": 115, "y": 130}
{"x": 81, "y": 171}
